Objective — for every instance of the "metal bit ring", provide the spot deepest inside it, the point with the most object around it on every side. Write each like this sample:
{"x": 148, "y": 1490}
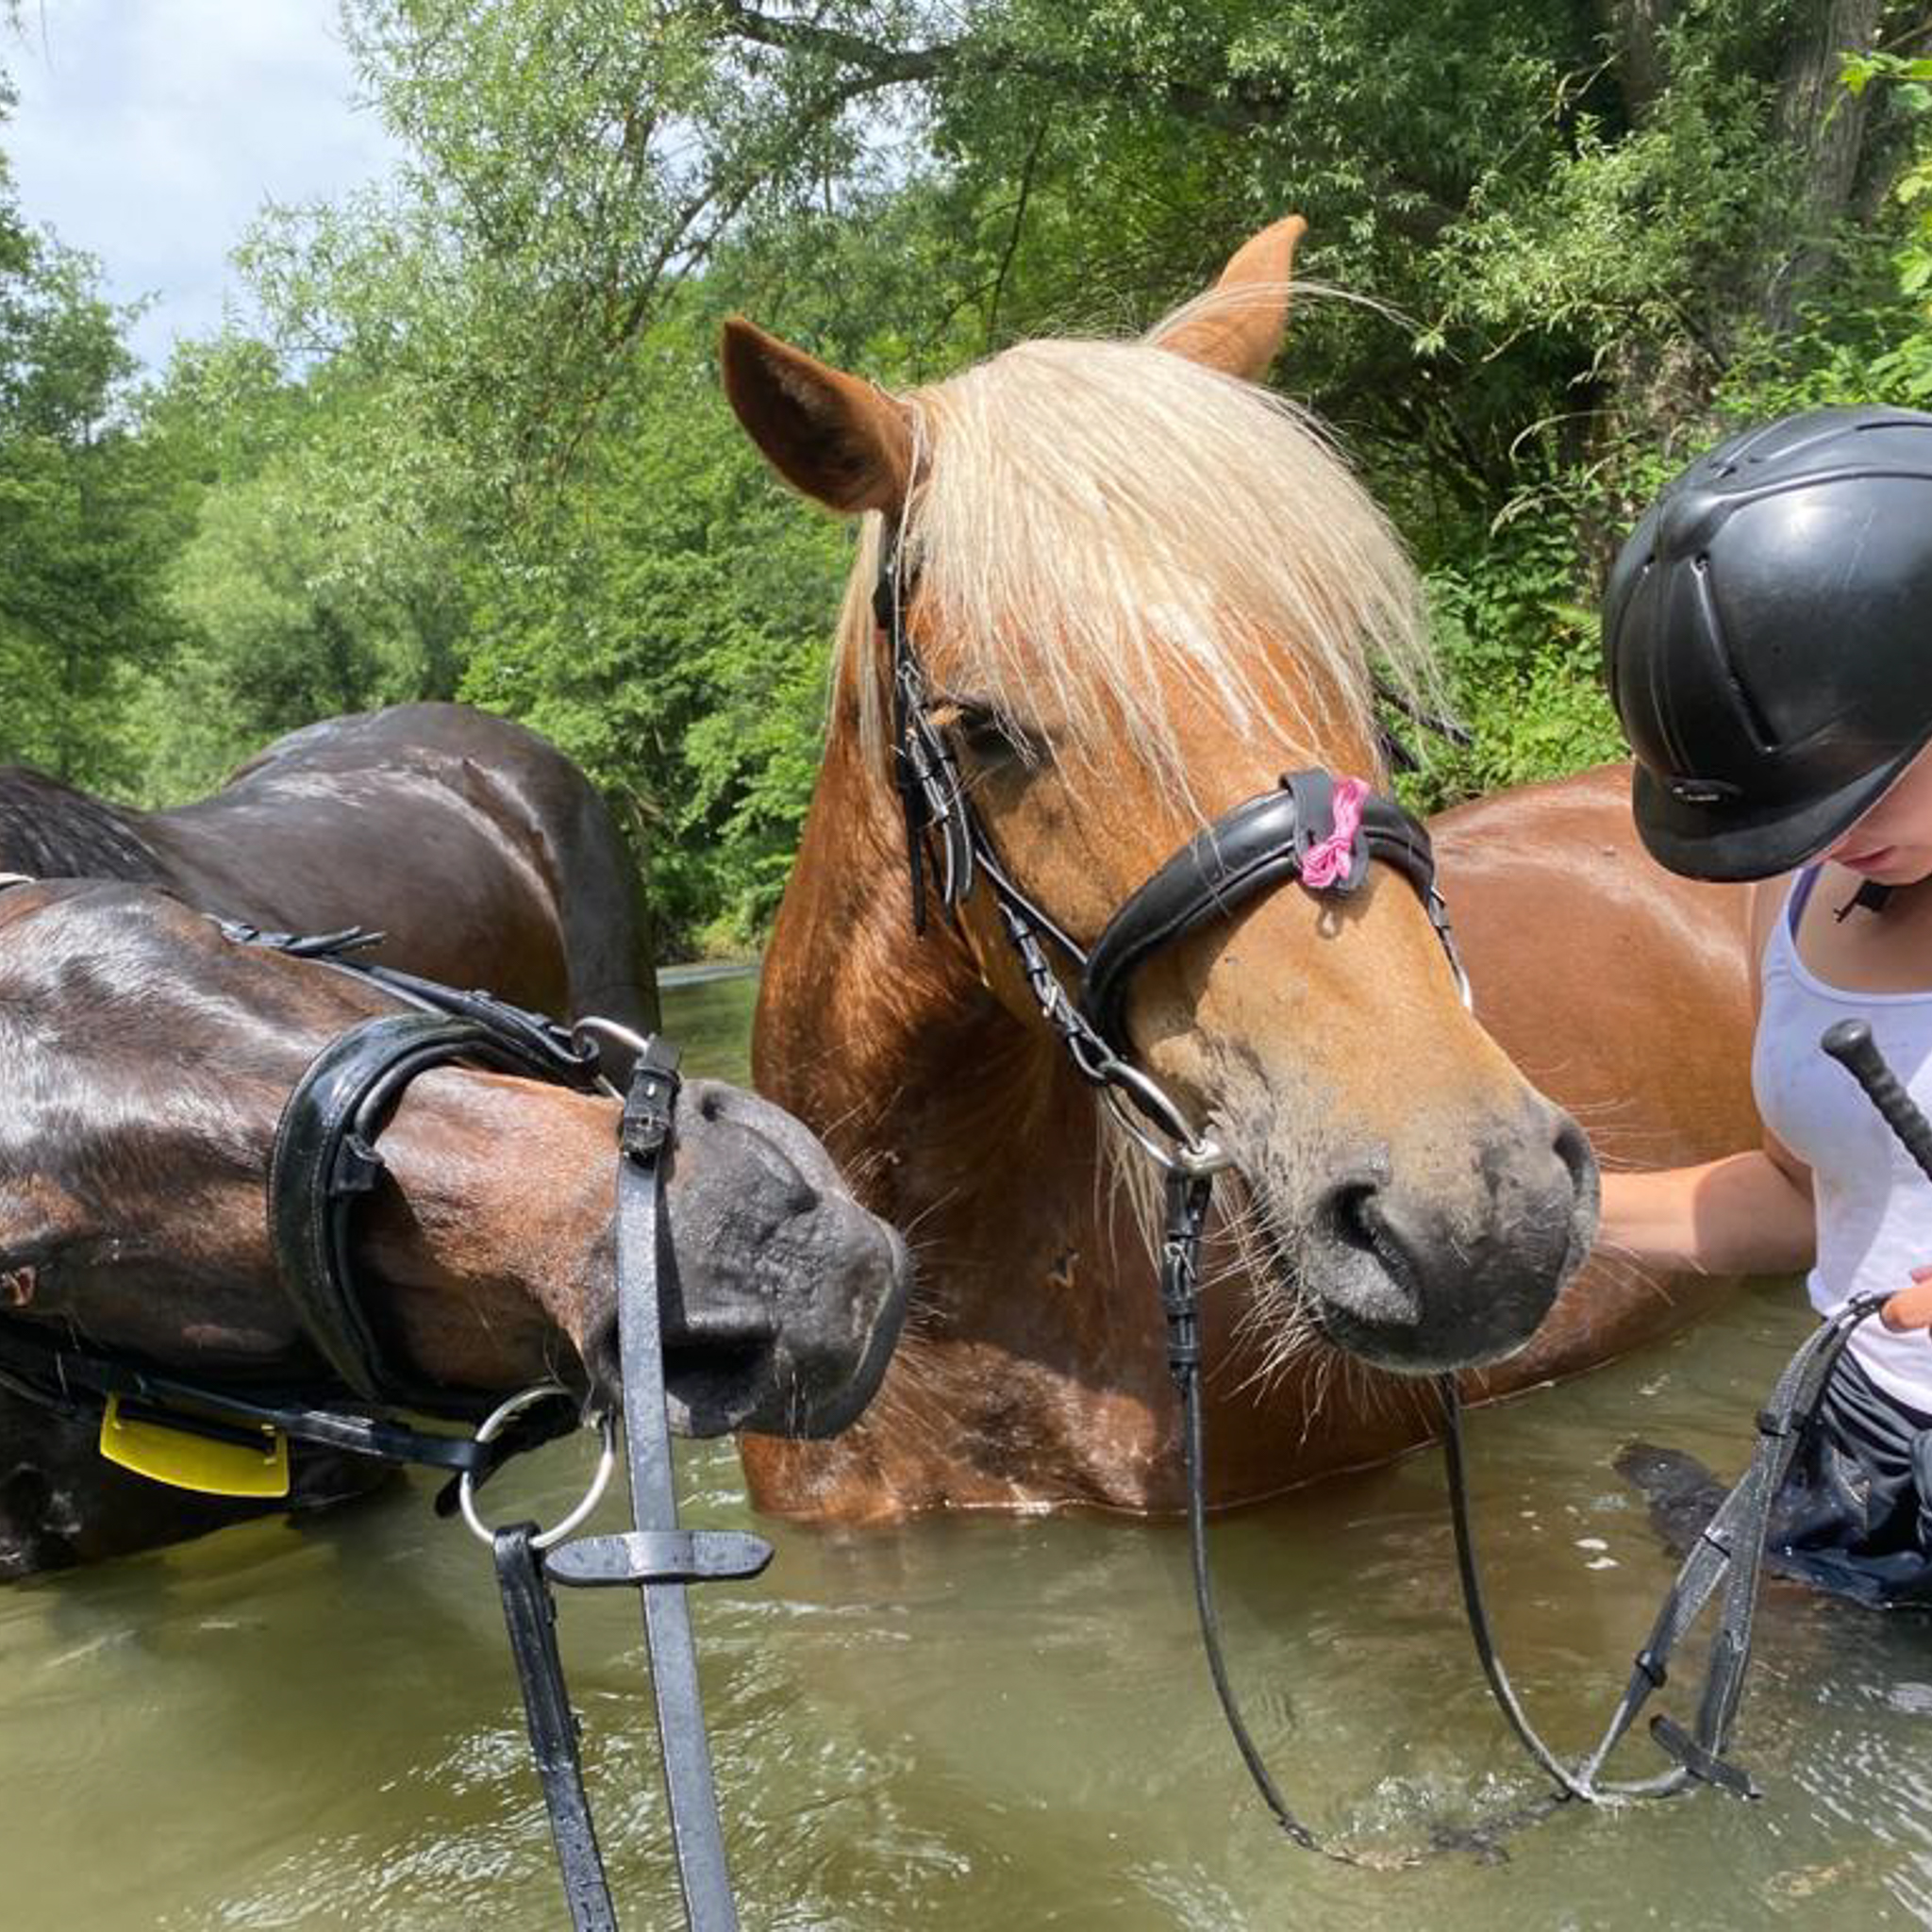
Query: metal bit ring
{"x": 493, "y": 1425}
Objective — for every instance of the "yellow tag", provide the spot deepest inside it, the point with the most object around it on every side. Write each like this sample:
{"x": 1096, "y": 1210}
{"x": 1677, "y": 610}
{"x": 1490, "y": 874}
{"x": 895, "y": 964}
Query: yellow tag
{"x": 195, "y": 1462}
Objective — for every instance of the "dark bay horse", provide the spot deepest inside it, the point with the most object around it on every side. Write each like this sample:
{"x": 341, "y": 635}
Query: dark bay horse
{"x": 147, "y": 1060}
{"x": 476, "y": 847}
{"x": 1142, "y": 587}
{"x": 482, "y": 855}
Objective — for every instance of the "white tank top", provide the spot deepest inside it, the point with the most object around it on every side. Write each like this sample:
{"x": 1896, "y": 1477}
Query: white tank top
{"x": 1873, "y": 1206}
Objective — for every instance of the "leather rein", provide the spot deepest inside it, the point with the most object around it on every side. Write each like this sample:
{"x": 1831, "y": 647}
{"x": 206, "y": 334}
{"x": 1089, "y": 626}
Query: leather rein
{"x": 326, "y": 1159}
{"x": 1259, "y": 845}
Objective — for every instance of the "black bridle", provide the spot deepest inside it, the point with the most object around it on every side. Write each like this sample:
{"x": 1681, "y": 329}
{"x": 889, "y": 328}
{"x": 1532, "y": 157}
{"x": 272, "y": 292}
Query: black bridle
{"x": 324, "y": 1162}
{"x": 1245, "y": 854}
{"x": 1252, "y": 849}
{"x": 1248, "y": 852}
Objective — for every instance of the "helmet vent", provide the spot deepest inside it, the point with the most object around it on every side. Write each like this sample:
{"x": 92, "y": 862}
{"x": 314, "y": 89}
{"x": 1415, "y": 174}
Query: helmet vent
{"x": 1703, "y": 790}
{"x": 1762, "y": 737}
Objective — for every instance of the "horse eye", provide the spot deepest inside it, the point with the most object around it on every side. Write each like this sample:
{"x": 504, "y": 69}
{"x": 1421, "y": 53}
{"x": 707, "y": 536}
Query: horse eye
{"x": 987, "y": 735}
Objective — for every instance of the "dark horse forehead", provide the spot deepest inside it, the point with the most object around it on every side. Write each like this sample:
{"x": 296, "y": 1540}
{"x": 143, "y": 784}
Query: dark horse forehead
{"x": 50, "y": 830}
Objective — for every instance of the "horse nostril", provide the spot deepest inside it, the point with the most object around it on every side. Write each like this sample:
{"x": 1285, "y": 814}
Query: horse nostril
{"x": 1349, "y": 1211}
{"x": 1573, "y": 1150}
{"x": 1377, "y": 1255}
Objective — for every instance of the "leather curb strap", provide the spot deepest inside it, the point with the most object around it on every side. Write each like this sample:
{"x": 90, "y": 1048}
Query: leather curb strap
{"x": 659, "y": 1558}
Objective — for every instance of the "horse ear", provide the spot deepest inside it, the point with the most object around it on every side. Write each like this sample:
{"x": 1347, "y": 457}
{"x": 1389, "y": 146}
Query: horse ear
{"x": 829, "y": 435}
{"x": 1238, "y": 325}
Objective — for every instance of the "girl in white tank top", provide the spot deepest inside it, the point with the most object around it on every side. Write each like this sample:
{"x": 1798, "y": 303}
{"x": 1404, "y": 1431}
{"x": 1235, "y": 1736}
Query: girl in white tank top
{"x": 1873, "y": 1209}
{"x": 1832, "y": 1191}
{"x": 1768, "y": 645}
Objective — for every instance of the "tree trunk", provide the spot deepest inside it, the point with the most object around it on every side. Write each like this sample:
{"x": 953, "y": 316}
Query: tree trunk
{"x": 1823, "y": 128}
{"x": 1635, "y": 32}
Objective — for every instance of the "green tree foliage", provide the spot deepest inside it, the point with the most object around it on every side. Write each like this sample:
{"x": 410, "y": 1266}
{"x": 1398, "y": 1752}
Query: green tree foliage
{"x": 87, "y": 517}
{"x": 482, "y": 449}
{"x": 666, "y": 625}
{"x": 318, "y": 576}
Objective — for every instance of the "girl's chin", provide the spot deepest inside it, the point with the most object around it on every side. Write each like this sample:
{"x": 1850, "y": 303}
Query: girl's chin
{"x": 1889, "y": 865}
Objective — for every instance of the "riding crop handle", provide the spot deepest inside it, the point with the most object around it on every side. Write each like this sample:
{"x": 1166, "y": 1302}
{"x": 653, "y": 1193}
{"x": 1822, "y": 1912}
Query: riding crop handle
{"x": 1850, "y": 1042}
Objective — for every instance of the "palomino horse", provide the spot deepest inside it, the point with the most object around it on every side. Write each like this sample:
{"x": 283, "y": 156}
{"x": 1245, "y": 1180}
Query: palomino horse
{"x": 1143, "y": 587}
{"x": 480, "y": 852}
{"x": 148, "y": 1059}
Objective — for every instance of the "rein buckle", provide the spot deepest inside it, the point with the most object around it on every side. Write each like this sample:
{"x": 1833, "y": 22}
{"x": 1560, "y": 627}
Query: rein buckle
{"x": 646, "y": 1127}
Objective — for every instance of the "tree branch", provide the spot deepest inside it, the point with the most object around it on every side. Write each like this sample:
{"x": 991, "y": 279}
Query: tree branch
{"x": 1012, "y": 247}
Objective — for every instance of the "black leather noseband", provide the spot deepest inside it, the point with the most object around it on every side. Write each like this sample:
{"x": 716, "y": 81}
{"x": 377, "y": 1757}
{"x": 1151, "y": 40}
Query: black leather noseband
{"x": 1242, "y": 855}
{"x": 325, "y": 1161}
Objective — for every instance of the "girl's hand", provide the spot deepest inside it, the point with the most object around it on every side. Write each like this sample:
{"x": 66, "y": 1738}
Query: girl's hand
{"x": 1912, "y": 1306}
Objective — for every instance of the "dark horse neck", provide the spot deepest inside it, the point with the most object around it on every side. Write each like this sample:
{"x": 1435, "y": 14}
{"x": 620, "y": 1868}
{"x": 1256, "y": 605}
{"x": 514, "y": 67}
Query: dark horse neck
{"x": 473, "y": 845}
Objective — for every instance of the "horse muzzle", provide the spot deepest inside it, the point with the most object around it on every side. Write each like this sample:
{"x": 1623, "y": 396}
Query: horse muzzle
{"x": 787, "y": 1296}
{"x": 1421, "y": 1279}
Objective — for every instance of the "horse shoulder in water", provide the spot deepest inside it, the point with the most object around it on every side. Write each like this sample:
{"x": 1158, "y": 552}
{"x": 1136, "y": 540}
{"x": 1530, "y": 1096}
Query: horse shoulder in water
{"x": 1137, "y": 588}
{"x": 132, "y": 1158}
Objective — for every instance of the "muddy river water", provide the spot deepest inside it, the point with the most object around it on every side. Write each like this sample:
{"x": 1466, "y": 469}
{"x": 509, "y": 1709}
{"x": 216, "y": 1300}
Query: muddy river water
{"x": 981, "y": 1725}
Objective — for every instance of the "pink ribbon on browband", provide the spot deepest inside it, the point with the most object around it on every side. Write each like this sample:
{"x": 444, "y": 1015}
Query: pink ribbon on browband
{"x": 1326, "y": 862}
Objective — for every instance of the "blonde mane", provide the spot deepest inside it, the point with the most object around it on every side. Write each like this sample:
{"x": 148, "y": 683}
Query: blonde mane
{"x": 1111, "y": 529}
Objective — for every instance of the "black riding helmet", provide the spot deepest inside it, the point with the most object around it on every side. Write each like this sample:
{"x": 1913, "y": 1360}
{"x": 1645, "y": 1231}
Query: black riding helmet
{"x": 1767, "y": 639}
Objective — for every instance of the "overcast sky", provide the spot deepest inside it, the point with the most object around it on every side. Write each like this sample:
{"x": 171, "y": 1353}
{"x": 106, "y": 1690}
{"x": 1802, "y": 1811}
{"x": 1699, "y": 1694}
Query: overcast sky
{"x": 150, "y": 131}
